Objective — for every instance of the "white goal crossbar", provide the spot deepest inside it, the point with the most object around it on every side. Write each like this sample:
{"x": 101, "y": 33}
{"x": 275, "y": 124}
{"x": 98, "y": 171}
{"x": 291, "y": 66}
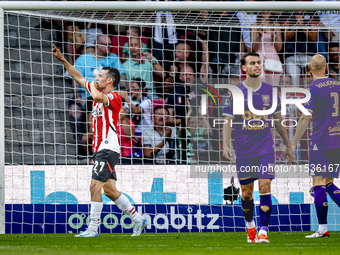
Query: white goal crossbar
{"x": 168, "y": 6}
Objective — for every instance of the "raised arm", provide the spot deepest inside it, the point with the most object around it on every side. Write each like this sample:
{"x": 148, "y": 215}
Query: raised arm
{"x": 205, "y": 61}
{"x": 277, "y": 38}
{"x": 159, "y": 70}
{"x": 283, "y": 133}
{"x": 312, "y": 33}
{"x": 75, "y": 74}
{"x": 256, "y": 38}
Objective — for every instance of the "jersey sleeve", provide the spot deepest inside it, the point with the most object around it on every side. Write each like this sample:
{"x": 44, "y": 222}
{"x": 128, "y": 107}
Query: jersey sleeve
{"x": 228, "y": 106}
{"x": 114, "y": 101}
{"x": 88, "y": 86}
{"x": 311, "y": 103}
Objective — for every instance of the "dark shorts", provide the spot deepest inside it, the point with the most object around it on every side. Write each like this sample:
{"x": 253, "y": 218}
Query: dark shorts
{"x": 104, "y": 165}
{"x": 324, "y": 163}
{"x": 251, "y": 169}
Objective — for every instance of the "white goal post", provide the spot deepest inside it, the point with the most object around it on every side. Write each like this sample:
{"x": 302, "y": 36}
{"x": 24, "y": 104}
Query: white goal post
{"x": 125, "y": 6}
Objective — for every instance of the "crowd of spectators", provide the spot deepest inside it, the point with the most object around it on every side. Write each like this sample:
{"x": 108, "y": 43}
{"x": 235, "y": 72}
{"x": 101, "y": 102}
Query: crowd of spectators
{"x": 166, "y": 69}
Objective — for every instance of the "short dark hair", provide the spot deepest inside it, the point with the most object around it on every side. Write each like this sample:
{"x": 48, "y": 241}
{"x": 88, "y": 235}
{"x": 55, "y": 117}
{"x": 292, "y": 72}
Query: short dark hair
{"x": 332, "y": 45}
{"x": 141, "y": 83}
{"x": 112, "y": 73}
{"x": 160, "y": 107}
{"x": 243, "y": 60}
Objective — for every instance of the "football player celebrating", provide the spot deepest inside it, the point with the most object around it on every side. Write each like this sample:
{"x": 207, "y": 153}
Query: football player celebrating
{"x": 254, "y": 145}
{"x": 324, "y": 148}
{"x": 105, "y": 113}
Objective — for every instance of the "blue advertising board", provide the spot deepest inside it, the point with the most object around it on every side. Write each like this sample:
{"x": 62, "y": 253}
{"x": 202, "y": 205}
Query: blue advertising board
{"x": 74, "y": 218}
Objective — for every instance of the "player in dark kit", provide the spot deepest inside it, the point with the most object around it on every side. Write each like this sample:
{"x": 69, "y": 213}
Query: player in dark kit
{"x": 254, "y": 145}
{"x": 324, "y": 150}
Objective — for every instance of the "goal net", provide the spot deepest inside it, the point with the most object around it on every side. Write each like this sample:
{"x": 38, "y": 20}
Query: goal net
{"x": 174, "y": 67}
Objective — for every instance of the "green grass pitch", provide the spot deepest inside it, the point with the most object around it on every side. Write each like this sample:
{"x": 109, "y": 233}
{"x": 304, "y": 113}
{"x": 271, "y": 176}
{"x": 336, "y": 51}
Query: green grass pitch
{"x": 174, "y": 243}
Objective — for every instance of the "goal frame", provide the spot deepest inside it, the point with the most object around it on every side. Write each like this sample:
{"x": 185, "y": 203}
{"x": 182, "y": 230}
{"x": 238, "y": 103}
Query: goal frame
{"x": 125, "y": 6}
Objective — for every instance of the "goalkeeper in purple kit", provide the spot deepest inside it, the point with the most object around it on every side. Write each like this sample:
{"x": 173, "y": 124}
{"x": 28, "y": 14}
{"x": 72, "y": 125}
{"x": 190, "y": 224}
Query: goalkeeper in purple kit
{"x": 324, "y": 150}
{"x": 254, "y": 145}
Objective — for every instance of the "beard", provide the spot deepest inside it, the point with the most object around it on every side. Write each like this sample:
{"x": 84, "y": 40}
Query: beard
{"x": 253, "y": 75}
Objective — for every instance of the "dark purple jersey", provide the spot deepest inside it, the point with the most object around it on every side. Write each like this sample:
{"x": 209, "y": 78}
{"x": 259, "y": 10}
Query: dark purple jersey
{"x": 324, "y": 105}
{"x": 253, "y": 138}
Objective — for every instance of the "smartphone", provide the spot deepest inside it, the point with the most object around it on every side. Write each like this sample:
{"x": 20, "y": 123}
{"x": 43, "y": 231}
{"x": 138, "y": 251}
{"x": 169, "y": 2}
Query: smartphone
{"x": 202, "y": 35}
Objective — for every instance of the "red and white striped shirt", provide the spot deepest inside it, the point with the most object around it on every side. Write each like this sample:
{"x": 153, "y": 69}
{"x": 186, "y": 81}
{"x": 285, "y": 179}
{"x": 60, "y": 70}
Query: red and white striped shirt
{"x": 105, "y": 122}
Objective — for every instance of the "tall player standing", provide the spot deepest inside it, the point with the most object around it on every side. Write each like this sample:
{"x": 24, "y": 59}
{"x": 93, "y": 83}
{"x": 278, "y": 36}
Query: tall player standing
{"x": 105, "y": 113}
{"x": 324, "y": 148}
{"x": 254, "y": 147}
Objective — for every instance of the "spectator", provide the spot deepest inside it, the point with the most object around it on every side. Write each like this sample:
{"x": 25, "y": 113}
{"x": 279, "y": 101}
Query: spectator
{"x": 181, "y": 97}
{"x": 158, "y": 140}
{"x": 178, "y": 99}
{"x": 91, "y": 31}
{"x": 168, "y": 85}
{"x": 120, "y": 43}
{"x": 333, "y": 57}
{"x": 299, "y": 44}
{"x": 126, "y": 133}
{"x": 182, "y": 54}
{"x": 224, "y": 44}
{"x": 77, "y": 123}
{"x": 141, "y": 65}
{"x": 200, "y": 134}
{"x": 267, "y": 43}
{"x": 139, "y": 106}
{"x": 90, "y": 64}
{"x": 75, "y": 40}
{"x": 133, "y": 32}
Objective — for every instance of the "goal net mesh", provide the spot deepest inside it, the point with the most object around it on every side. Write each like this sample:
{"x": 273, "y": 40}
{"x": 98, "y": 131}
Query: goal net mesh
{"x": 173, "y": 66}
